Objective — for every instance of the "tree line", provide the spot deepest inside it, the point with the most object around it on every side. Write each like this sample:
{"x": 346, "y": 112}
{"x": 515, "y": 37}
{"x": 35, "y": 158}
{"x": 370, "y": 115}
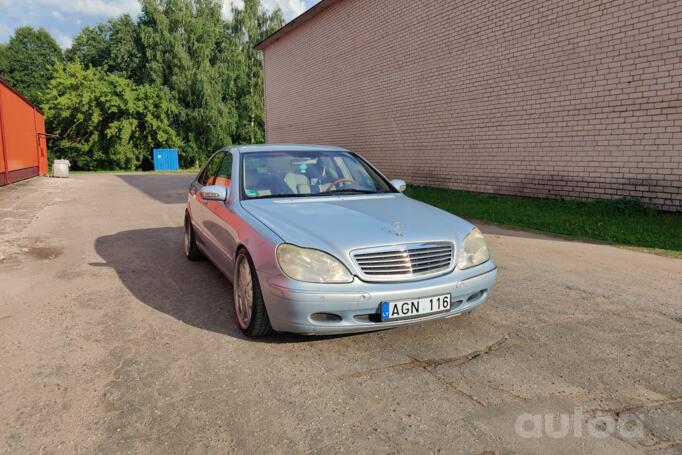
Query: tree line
{"x": 179, "y": 75}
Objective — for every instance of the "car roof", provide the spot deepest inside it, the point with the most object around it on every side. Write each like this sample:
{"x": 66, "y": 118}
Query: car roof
{"x": 286, "y": 148}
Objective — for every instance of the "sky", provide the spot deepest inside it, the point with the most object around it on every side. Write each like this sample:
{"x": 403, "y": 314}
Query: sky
{"x": 65, "y": 18}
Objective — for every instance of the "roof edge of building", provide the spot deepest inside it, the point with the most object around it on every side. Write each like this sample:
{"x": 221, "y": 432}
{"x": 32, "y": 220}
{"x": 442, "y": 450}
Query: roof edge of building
{"x": 20, "y": 95}
{"x": 295, "y": 23}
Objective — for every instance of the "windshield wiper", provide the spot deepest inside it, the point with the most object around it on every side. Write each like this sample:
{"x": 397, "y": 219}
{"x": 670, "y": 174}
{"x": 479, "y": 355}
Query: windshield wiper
{"x": 276, "y": 196}
{"x": 348, "y": 191}
{"x": 326, "y": 193}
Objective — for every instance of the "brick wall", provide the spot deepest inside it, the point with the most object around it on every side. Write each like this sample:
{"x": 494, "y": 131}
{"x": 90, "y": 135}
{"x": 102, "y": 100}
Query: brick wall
{"x": 554, "y": 98}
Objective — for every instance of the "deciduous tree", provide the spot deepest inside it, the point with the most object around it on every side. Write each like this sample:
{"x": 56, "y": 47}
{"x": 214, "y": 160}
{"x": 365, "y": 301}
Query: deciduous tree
{"x": 250, "y": 25}
{"x": 3, "y": 59}
{"x": 30, "y": 57}
{"x": 183, "y": 49}
{"x": 113, "y": 46}
{"x": 178, "y": 75}
{"x": 105, "y": 121}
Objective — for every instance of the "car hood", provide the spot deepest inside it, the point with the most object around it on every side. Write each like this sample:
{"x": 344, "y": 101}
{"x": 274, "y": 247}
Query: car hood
{"x": 339, "y": 224}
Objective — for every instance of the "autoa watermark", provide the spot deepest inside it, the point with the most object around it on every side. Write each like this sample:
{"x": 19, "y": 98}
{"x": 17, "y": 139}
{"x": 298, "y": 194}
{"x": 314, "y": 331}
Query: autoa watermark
{"x": 559, "y": 426}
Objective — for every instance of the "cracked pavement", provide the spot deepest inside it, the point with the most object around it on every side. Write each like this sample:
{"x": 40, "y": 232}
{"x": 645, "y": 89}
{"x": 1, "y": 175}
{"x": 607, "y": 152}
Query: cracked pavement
{"x": 112, "y": 342}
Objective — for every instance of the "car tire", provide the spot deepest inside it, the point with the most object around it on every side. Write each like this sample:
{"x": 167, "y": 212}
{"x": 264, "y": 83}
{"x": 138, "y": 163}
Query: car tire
{"x": 249, "y": 307}
{"x": 190, "y": 241}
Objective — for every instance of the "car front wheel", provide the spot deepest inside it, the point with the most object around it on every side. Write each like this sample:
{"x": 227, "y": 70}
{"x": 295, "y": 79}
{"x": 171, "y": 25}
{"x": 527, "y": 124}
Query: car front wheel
{"x": 249, "y": 307}
{"x": 190, "y": 242}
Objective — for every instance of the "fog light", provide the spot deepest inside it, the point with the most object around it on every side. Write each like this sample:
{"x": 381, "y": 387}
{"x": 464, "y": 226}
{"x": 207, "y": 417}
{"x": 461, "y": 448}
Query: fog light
{"x": 476, "y": 296}
{"x": 325, "y": 317}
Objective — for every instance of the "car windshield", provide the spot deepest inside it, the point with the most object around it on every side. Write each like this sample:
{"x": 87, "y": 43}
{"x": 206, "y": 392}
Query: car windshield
{"x": 301, "y": 174}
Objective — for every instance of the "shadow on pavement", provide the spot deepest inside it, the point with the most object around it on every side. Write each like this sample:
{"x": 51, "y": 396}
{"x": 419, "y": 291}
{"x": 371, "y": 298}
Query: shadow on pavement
{"x": 152, "y": 265}
{"x": 165, "y": 188}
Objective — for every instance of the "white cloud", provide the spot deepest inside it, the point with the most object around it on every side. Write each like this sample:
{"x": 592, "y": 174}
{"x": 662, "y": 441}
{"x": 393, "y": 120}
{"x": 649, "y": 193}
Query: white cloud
{"x": 64, "y": 18}
{"x": 290, "y": 8}
{"x": 64, "y": 41}
{"x": 101, "y": 8}
{"x": 228, "y": 5}
{"x": 5, "y": 29}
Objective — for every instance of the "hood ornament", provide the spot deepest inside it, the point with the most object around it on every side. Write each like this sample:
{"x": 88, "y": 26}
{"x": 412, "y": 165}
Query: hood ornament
{"x": 396, "y": 229}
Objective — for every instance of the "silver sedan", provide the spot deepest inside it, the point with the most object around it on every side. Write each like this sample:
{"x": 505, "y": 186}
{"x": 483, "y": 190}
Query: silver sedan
{"x": 317, "y": 241}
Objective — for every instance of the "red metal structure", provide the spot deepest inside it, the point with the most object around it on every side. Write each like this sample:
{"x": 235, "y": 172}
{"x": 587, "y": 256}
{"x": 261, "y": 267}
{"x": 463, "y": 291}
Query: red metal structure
{"x": 23, "y": 145}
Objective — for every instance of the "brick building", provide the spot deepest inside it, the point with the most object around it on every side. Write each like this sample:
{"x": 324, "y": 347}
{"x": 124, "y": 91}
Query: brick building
{"x": 554, "y": 98}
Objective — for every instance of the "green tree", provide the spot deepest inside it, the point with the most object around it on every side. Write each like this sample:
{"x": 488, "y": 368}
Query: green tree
{"x": 113, "y": 46}
{"x": 3, "y": 60}
{"x": 184, "y": 49}
{"x": 90, "y": 47}
{"x": 250, "y": 25}
{"x": 179, "y": 60}
{"x": 30, "y": 56}
{"x": 124, "y": 48}
{"x": 104, "y": 121}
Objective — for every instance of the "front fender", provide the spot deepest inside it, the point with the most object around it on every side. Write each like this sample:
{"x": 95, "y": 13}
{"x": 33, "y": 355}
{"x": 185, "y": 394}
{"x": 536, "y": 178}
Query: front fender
{"x": 260, "y": 242}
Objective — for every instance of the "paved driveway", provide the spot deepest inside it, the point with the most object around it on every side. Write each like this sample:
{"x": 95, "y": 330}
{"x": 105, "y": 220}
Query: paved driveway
{"x": 112, "y": 342}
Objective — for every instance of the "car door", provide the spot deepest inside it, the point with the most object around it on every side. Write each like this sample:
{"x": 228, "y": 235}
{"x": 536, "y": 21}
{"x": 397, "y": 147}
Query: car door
{"x": 198, "y": 205}
{"x": 221, "y": 221}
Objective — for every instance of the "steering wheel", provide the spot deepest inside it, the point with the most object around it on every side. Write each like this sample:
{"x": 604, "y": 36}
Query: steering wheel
{"x": 336, "y": 182}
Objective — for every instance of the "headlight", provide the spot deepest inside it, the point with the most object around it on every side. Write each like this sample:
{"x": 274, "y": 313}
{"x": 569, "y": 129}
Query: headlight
{"x": 474, "y": 251}
{"x": 313, "y": 266}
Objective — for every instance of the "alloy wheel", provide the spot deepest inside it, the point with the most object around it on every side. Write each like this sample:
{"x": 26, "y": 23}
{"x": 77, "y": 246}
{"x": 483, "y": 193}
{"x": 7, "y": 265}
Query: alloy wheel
{"x": 188, "y": 236}
{"x": 244, "y": 292}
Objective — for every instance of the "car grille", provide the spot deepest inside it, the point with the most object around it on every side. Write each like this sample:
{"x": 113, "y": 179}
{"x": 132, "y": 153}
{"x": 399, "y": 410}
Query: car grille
{"x": 405, "y": 262}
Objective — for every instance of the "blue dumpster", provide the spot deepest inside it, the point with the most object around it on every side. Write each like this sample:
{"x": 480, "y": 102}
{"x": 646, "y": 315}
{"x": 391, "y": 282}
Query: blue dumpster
{"x": 166, "y": 160}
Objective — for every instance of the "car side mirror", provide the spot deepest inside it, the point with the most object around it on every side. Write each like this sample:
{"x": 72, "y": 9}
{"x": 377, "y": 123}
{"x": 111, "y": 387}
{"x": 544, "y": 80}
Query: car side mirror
{"x": 214, "y": 193}
{"x": 399, "y": 185}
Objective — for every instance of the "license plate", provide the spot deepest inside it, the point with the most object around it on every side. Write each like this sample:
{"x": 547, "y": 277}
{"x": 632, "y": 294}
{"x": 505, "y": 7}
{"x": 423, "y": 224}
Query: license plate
{"x": 414, "y": 307}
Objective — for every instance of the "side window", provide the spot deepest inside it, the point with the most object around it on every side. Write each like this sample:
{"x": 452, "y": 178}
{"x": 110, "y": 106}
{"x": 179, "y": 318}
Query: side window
{"x": 210, "y": 174}
{"x": 225, "y": 173}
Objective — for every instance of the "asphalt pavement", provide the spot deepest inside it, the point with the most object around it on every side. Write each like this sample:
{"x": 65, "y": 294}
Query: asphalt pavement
{"x": 112, "y": 342}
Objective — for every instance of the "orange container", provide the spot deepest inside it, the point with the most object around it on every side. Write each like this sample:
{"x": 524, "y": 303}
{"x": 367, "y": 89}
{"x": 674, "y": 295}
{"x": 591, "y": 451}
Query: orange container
{"x": 23, "y": 146}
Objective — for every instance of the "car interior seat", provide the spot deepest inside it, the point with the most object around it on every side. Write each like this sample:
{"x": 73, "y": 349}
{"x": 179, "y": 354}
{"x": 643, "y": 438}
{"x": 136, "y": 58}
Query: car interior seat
{"x": 260, "y": 183}
{"x": 293, "y": 181}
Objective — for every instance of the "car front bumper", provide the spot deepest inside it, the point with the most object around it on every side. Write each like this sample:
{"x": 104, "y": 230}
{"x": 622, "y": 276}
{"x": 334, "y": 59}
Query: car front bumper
{"x": 319, "y": 309}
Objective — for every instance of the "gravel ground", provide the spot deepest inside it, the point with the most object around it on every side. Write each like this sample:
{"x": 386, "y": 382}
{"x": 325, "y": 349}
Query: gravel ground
{"x": 112, "y": 342}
